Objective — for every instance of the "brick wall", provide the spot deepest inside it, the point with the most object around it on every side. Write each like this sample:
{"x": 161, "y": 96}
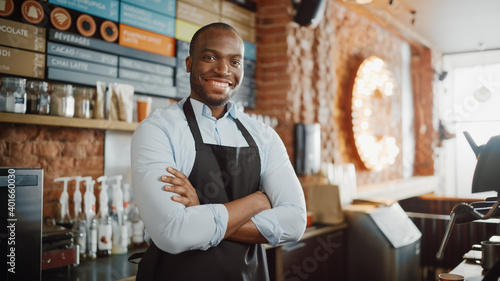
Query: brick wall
{"x": 306, "y": 75}
{"x": 59, "y": 151}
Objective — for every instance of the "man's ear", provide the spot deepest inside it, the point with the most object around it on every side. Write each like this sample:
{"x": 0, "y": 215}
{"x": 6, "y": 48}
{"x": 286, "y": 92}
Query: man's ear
{"x": 188, "y": 64}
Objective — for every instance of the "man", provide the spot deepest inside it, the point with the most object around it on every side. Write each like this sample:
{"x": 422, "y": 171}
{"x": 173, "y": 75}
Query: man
{"x": 208, "y": 215}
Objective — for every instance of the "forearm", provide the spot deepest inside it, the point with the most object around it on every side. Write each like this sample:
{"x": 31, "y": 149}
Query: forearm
{"x": 248, "y": 233}
{"x": 240, "y": 212}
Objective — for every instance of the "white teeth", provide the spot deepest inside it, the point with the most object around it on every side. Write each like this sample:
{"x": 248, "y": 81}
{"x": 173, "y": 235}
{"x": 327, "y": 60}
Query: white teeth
{"x": 219, "y": 84}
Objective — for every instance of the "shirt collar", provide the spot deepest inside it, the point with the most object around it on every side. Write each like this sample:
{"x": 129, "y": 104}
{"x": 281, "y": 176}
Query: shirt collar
{"x": 201, "y": 109}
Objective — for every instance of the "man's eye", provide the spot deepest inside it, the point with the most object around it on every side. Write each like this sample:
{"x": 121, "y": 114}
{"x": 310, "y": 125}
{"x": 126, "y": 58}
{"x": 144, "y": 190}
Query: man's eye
{"x": 209, "y": 57}
{"x": 237, "y": 62}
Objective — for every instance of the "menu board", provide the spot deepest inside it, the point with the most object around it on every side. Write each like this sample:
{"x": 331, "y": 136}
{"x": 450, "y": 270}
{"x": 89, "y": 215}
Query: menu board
{"x": 166, "y": 7}
{"x": 20, "y": 35}
{"x": 110, "y": 48}
{"x": 22, "y": 63}
{"x": 147, "y": 20}
{"x": 22, "y": 49}
{"x": 114, "y": 41}
{"x": 81, "y": 54}
{"x": 181, "y": 75}
{"x": 107, "y": 9}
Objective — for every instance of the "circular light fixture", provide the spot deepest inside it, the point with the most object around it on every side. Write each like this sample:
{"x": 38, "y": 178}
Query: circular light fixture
{"x": 371, "y": 113}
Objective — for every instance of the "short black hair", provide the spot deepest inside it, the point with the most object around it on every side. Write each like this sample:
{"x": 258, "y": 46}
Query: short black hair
{"x": 215, "y": 25}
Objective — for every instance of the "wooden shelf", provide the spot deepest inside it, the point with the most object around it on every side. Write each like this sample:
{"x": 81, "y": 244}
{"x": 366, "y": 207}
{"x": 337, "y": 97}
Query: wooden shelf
{"x": 49, "y": 120}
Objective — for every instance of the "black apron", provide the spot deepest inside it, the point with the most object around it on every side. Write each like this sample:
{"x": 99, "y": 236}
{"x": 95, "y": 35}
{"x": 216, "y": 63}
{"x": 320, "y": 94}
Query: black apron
{"x": 220, "y": 174}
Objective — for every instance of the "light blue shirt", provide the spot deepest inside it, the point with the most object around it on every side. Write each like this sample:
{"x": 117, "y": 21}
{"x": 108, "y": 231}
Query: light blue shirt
{"x": 165, "y": 140}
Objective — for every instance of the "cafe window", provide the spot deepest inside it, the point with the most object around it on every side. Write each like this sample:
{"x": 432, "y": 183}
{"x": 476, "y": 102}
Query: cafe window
{"x": 469, "y": 100}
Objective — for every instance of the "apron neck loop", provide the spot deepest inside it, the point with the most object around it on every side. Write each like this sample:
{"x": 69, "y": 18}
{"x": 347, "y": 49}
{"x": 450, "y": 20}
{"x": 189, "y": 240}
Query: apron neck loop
{"x": 195, "y": 129}
{"x": 191, "y": 119}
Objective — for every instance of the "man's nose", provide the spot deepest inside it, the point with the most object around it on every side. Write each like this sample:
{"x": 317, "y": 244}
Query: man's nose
{"x": 222, "y": 68}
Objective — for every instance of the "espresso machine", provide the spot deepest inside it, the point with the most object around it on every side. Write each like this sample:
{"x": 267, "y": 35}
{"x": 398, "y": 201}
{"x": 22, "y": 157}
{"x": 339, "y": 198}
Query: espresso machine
{"x": 486, "y": 178}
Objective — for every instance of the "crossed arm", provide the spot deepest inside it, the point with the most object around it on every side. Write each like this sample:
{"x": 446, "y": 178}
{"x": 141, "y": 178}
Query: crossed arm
{"x": 179, "y": 224}
{"x": 240, "y": 228}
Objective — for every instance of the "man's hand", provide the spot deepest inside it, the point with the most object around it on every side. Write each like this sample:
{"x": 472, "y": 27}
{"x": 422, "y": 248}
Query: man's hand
{"x": 181, "y": 185}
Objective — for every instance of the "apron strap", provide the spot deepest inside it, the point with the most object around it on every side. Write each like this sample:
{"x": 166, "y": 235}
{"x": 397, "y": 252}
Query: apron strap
{"x": 193, "y": 125}
{"x": 246, "y": 134}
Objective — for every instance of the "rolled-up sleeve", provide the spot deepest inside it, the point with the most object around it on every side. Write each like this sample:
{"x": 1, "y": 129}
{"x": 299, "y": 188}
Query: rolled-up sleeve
{"x": 286, "y": 221}
{"x": 172, "y": 227}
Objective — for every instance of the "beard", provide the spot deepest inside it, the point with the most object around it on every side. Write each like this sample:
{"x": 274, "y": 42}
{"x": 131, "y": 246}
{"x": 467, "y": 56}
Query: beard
{"x": 198, "y": 90}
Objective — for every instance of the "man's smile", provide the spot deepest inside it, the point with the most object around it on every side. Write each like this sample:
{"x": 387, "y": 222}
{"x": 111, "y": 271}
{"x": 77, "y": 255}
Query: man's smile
{"x": 219, "y": 84}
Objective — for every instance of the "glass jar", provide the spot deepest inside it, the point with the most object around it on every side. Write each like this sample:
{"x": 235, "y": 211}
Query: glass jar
{"x": 62, "y": 102}
{"x": 13, "y": 95}
{"x": 38, "y": 99}
{"x": 84, "y": 102}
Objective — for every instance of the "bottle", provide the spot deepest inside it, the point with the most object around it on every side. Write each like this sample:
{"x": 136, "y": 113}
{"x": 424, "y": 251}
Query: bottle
{"x": 92, "y": 239}
{"x": 64, "y": 217}
{"x": 77, "y": 197}
{"x": 127, "y": 198}
{"x": 80, "y": 234}
{"x": 89, "y": 201}
{"x": 38, "y": 100}
{"x": 84, "y": 103}
{"x": 104, "y": 229}
{"x": 137, "y": 228}
{"x": 13, "y": 95}
{"x": 127, "y": 208}
{"x": 120, "y": 233}
{"x": 62, "y": 102}
{"x": 80, "y": 225}
{"x": 104, "y": 236}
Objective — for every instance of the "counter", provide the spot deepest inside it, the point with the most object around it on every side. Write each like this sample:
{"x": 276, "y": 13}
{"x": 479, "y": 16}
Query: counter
{"x": 117, "y": 267}
{"x": 114, "y": 267}
{"x": 397, "y": 190}
{"x": 320, "y": 254}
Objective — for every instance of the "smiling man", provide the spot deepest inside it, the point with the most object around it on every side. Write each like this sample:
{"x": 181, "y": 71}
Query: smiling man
{"x": 216, "y": 67}
{"x": 213, "y": 185}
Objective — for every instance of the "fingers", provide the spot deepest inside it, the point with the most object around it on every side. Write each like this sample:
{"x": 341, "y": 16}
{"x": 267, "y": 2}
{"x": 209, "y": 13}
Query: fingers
{"x": 184, "y": 196}
{"x": 181, "y": 190}
{"x": 183, "y": 200}
{"x": 178, "y": 183}
{"x": 177, "y": 179}
{"x": 176, "y": 173}
{"x": 172, "y": 180}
